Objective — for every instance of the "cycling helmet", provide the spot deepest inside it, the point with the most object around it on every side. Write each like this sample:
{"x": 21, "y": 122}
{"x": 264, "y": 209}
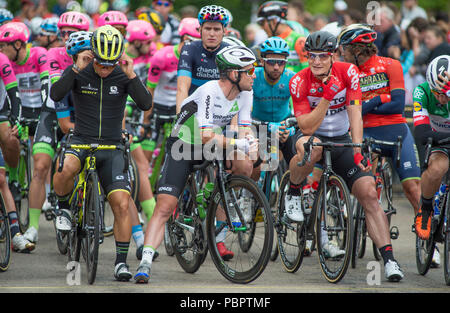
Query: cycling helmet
{"x": 49, "y": 26}
{"x": 35, "y": 25}
{"x": 189, "y": 26}
{"x": 234, "y": 58}
{"x": 74, "y": 19}
{"x": 120, "y": 5}
{"x": 112, "y": 18}
{"x": 155, "y": 18}
{"x": 437, "y": 67}
{"x": 107, "y": 45}
{"x": 334, "y": 28}
{"x": 357, "y": 33}
{"x": 91, "y": 6}
{"x": 275, "y": 45}
{"x": 213, "y": 13}
{"x": 233, "y": 41}
{"x": 13, "y": 31}
{"x": 78, "y": 42}
{"x": 273, "y": 8}
{"x": 5, "y": 15}
{"x": 321, "y": 41}
{"x": 140, "y": 30}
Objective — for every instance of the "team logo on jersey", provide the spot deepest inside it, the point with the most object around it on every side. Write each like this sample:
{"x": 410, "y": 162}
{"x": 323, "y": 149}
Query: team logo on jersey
{"x": 235, "y": 108}
{"x": 417, "y": 106}
{"x": 89, "y": 89}
{"x": 113, "y": 90}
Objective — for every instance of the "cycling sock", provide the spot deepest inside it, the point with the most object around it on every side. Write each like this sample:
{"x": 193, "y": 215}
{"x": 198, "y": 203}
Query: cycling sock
{"x": 35, "y": 214}
{"x": 138, "y": 235}
{"x": 294, "y": 190}
{"x": 427, "y": 204}
{"x": 63, "y": 201}
{"x": 148, "y": 206}
{"x": 387, "y": 253}
{"x": 14, "y": 223}
{"x": 147, "y": 254}
{"x": 121, "y": 252}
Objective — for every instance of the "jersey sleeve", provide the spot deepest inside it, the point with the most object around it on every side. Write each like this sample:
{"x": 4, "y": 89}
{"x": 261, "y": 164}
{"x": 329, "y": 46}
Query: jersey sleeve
{"x": 7, "y": 72}
{"x": 395, "y": 75}
{"x": 42, "y": 61}
{"x": 298, "y": 86}
{"x": 53, "y": 66}
{"x": 157, "y": 64}
{"x": 185, "y": 64}
{"x": 351, "y": 81}
{"x": 204, "y": 114}
{"x": 420, "y": 102}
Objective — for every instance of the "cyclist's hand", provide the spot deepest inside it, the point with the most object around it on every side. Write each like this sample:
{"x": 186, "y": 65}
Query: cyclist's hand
{"x": 84, "y": 58}
{"x": 126, "y": 64}
{"x": 331, "y": 86}
{"x": 444, "y": 83}
{"x": 362, "y": 162}
{"x": 283, "y": 132}
{"x": 253, "y": 146}
{"x": 16, "y": 130}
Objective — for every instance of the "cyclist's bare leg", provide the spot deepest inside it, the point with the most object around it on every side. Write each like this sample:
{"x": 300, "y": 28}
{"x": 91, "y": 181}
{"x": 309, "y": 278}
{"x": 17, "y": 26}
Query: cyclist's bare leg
{"x": 119, "y": 201}
{"x": 298, "y": 174}
{"x": 63, "y": 181}
{"x": 411, "y": 188}
{"x": 432, "y": 176}
{"x": 145, "y": 192}
{"x": 41, "y": 169}
{"x": 377, "y": 223}
{"x": 6, "y": 193}
{"x": 10, "y": 145}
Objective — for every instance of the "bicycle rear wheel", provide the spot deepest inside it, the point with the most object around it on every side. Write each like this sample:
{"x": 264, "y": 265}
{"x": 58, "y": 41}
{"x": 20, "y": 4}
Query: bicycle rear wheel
{"x": 91, "y": 225}
{"x": 5, "y": 238}
{"x": 167, "y": 241}
{"x": 24, "y": 174}
{"x": 291, "y": 236}
{"x": 336, "y": 219}
{"x": 447, "y": 243}
{"x": 360, "y": 235}
{"x": 273, "y": 189}
{"x": 248, "y": 265}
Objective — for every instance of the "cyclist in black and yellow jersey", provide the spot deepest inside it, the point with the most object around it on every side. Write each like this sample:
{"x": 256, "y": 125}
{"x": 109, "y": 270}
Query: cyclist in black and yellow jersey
{"x": 100, "y": 89}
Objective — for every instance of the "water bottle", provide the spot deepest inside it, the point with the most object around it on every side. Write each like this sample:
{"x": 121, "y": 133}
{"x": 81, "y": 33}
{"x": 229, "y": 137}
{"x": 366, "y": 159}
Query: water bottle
{"x": 233, "y": 215}
{"x": 202, "y": 199}
{"x": 439, "y": 199}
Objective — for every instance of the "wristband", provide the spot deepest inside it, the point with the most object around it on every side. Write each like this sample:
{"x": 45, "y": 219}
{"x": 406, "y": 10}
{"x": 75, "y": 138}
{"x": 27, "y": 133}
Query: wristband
{"x": 76, "y": 68}
{"x": 359, "y": 158}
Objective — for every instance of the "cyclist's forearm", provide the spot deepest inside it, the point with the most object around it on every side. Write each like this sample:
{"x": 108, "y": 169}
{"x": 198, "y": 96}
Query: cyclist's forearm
{"x": 183, "y": 84}
{"x": 309, "y": 123}
{"x": 356, "y": 124}
{"x": 44, "y": 90}
{"x": 14, "y": 101}
{"x": 140, "y": 94}
{"x": 63, "y": 85}
{"x": 395, "y": 106}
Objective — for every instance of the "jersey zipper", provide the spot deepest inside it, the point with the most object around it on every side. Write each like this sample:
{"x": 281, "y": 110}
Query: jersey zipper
{"x": 101, "y": 104}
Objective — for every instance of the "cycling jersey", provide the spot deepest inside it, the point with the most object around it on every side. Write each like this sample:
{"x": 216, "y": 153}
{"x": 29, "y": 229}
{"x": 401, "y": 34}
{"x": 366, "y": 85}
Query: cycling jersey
{"x": 58, "y": 60}
{"x": 307, "y": 92}
{"x": 297, "y": 59}
{"x": 99, "y": 103}
{"x": 271, "y": 102}
{"x": 198, "y": 63}
{"x": 162, "y": 75}
{"x": 427, "y": 110}
{"x": 208, "y": 109}
{"x": 30, "y": 75}
{"x": 8, "y": 86}
{"x": 170, "y": 34}
{"x": 380, "y": 75}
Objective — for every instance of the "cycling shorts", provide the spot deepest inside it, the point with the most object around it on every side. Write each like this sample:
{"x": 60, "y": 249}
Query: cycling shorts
{"x": 5, "y": 112}
{"x": 44, "y": 139}
{"x": 342, "y": 160}
{"x": 110, "y": 167}
{"x": 409, "y": 164}
{"x": 31, "y": 113}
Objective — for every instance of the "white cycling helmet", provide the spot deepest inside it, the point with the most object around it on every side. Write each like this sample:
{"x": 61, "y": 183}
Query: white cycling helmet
{"x": 437, "y": 67}
{"x": 233, "y": 41}
{"x": 234, "y": 58}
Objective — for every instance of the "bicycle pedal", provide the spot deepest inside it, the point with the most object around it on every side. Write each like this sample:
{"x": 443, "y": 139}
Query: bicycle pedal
{"x": 394, "y": 233}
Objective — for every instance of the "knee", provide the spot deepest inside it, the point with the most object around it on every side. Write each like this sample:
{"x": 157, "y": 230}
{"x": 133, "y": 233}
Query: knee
{"x": 2, "y": 180}
{"x": 40, "y": 169}
{"x": 121, "y": 208}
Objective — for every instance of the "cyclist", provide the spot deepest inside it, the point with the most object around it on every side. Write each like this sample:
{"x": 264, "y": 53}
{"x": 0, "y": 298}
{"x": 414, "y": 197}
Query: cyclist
{"x": 383, "y": 95}
{"x": 116, "y": 19}
{"x": 170, "y": 34}
{"x": 48, "y": 33}
{"x": 272, "y": 18}
{"x": 30, "y": 68}
{"x": 9, "y": 98}
{"x": 197, "y": 62}
{"x": 44, "y": 146}
{"x": 431, "y": 119}
{"x": 210, "y": 108}
{"x": 157, "y": 21}
{"x": 5, "y": 16}
{"x": 326, "y": 99}
{"x": 100, "y": 88}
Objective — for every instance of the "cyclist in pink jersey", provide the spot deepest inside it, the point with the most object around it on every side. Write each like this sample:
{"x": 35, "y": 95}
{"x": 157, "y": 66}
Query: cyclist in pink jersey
{"x": 10, "y": 111}
{"x": 44, "y": 144}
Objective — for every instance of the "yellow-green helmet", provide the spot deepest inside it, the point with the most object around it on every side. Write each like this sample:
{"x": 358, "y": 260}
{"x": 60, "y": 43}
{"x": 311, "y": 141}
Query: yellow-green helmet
{"x": 107, "y": 45}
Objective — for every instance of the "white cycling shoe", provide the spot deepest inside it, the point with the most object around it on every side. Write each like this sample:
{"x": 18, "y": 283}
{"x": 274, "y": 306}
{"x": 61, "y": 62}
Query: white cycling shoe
{"x": 293, "y": 208}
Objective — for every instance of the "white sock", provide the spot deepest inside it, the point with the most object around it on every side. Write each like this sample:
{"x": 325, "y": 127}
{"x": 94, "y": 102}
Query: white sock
{"x": 147, "y": 254}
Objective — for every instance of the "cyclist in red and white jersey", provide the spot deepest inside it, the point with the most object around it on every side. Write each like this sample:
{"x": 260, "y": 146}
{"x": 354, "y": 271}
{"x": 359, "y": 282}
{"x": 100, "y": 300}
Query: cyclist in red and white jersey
{"x": 327, "y": 103}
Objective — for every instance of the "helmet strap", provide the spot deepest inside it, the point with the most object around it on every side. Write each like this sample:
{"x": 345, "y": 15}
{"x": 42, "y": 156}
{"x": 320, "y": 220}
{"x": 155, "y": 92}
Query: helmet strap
{"x": 17, "y": 51}
{"x": 273, "y": 30}
{"x": 235, "y": 83}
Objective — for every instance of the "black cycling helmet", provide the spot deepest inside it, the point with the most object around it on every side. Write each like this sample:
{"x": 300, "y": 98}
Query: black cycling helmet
{"x": 321, "y": 41}
{"x": 272, "y": 10}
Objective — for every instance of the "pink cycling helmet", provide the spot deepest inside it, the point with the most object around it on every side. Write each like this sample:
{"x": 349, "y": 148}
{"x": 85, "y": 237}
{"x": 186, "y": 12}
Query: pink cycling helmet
{"x": 13, "y": 31}
{"x": 189, "y": 26}
{"x": 140, "y": 30}
{"x": 112, "y": 18}
{"x": 74, "y": 19}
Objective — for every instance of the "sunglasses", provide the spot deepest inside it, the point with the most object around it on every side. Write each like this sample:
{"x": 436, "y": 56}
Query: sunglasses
{"x": 67, "y": 33}
{"x": 273, "y": 62}
{"x": 322, "y": 56}
{"x": 164, "y": 3}
{"x": 249, "y": 72}
{"x": 437, "y": 93}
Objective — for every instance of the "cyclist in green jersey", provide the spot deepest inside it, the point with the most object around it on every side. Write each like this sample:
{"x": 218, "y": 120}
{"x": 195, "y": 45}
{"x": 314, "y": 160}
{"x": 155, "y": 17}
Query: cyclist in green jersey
{"x": 432, "y": 119}
{"x": 272, "y": 18}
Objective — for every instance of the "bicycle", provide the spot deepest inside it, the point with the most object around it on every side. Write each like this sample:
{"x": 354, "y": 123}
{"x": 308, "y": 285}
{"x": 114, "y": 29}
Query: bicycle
{"x": 383, "y": 184}
{"x": 5, "y": 238}
{"x": 440, "y": 232}
{"x": 24, "y": 173}
{"x": 85, "y": 205}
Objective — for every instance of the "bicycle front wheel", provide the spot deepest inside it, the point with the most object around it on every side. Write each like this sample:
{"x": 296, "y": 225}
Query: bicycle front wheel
{"x": 5, "y": 238}
{"x": 91, "y": 226}
{"x": 24, "y": 174}
{"x": 334, "y": 227}
{"x": 360, "y": 235}
{"x": 447, "y": 243}
{"x": 244, "y": 266}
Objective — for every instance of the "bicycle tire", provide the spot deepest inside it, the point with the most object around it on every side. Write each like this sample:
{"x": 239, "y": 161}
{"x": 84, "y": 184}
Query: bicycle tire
{"x": 274, "y": 189}
{"x": 339, "y": 216}
{"x": 291, "y": 236}
{"x": 91, "y": 225}
{"x": 108, "y": 218}
{"x": 167, "y": 241}
{"x": 244, "y": 267}
{"x": 5, "y": 238}
{"x": 24, "y": 175}
{"x": 133, "y": 173}
{"x": 446, "y": 229}
{"x": 189, "y": 245}
{"x": 360, "y": 234}
{"x": 62, "y": 239}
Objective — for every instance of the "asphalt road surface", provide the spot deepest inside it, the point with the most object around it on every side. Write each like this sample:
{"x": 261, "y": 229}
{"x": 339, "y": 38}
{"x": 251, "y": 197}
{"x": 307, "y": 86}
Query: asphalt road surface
{"x": 45, "y": 271}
